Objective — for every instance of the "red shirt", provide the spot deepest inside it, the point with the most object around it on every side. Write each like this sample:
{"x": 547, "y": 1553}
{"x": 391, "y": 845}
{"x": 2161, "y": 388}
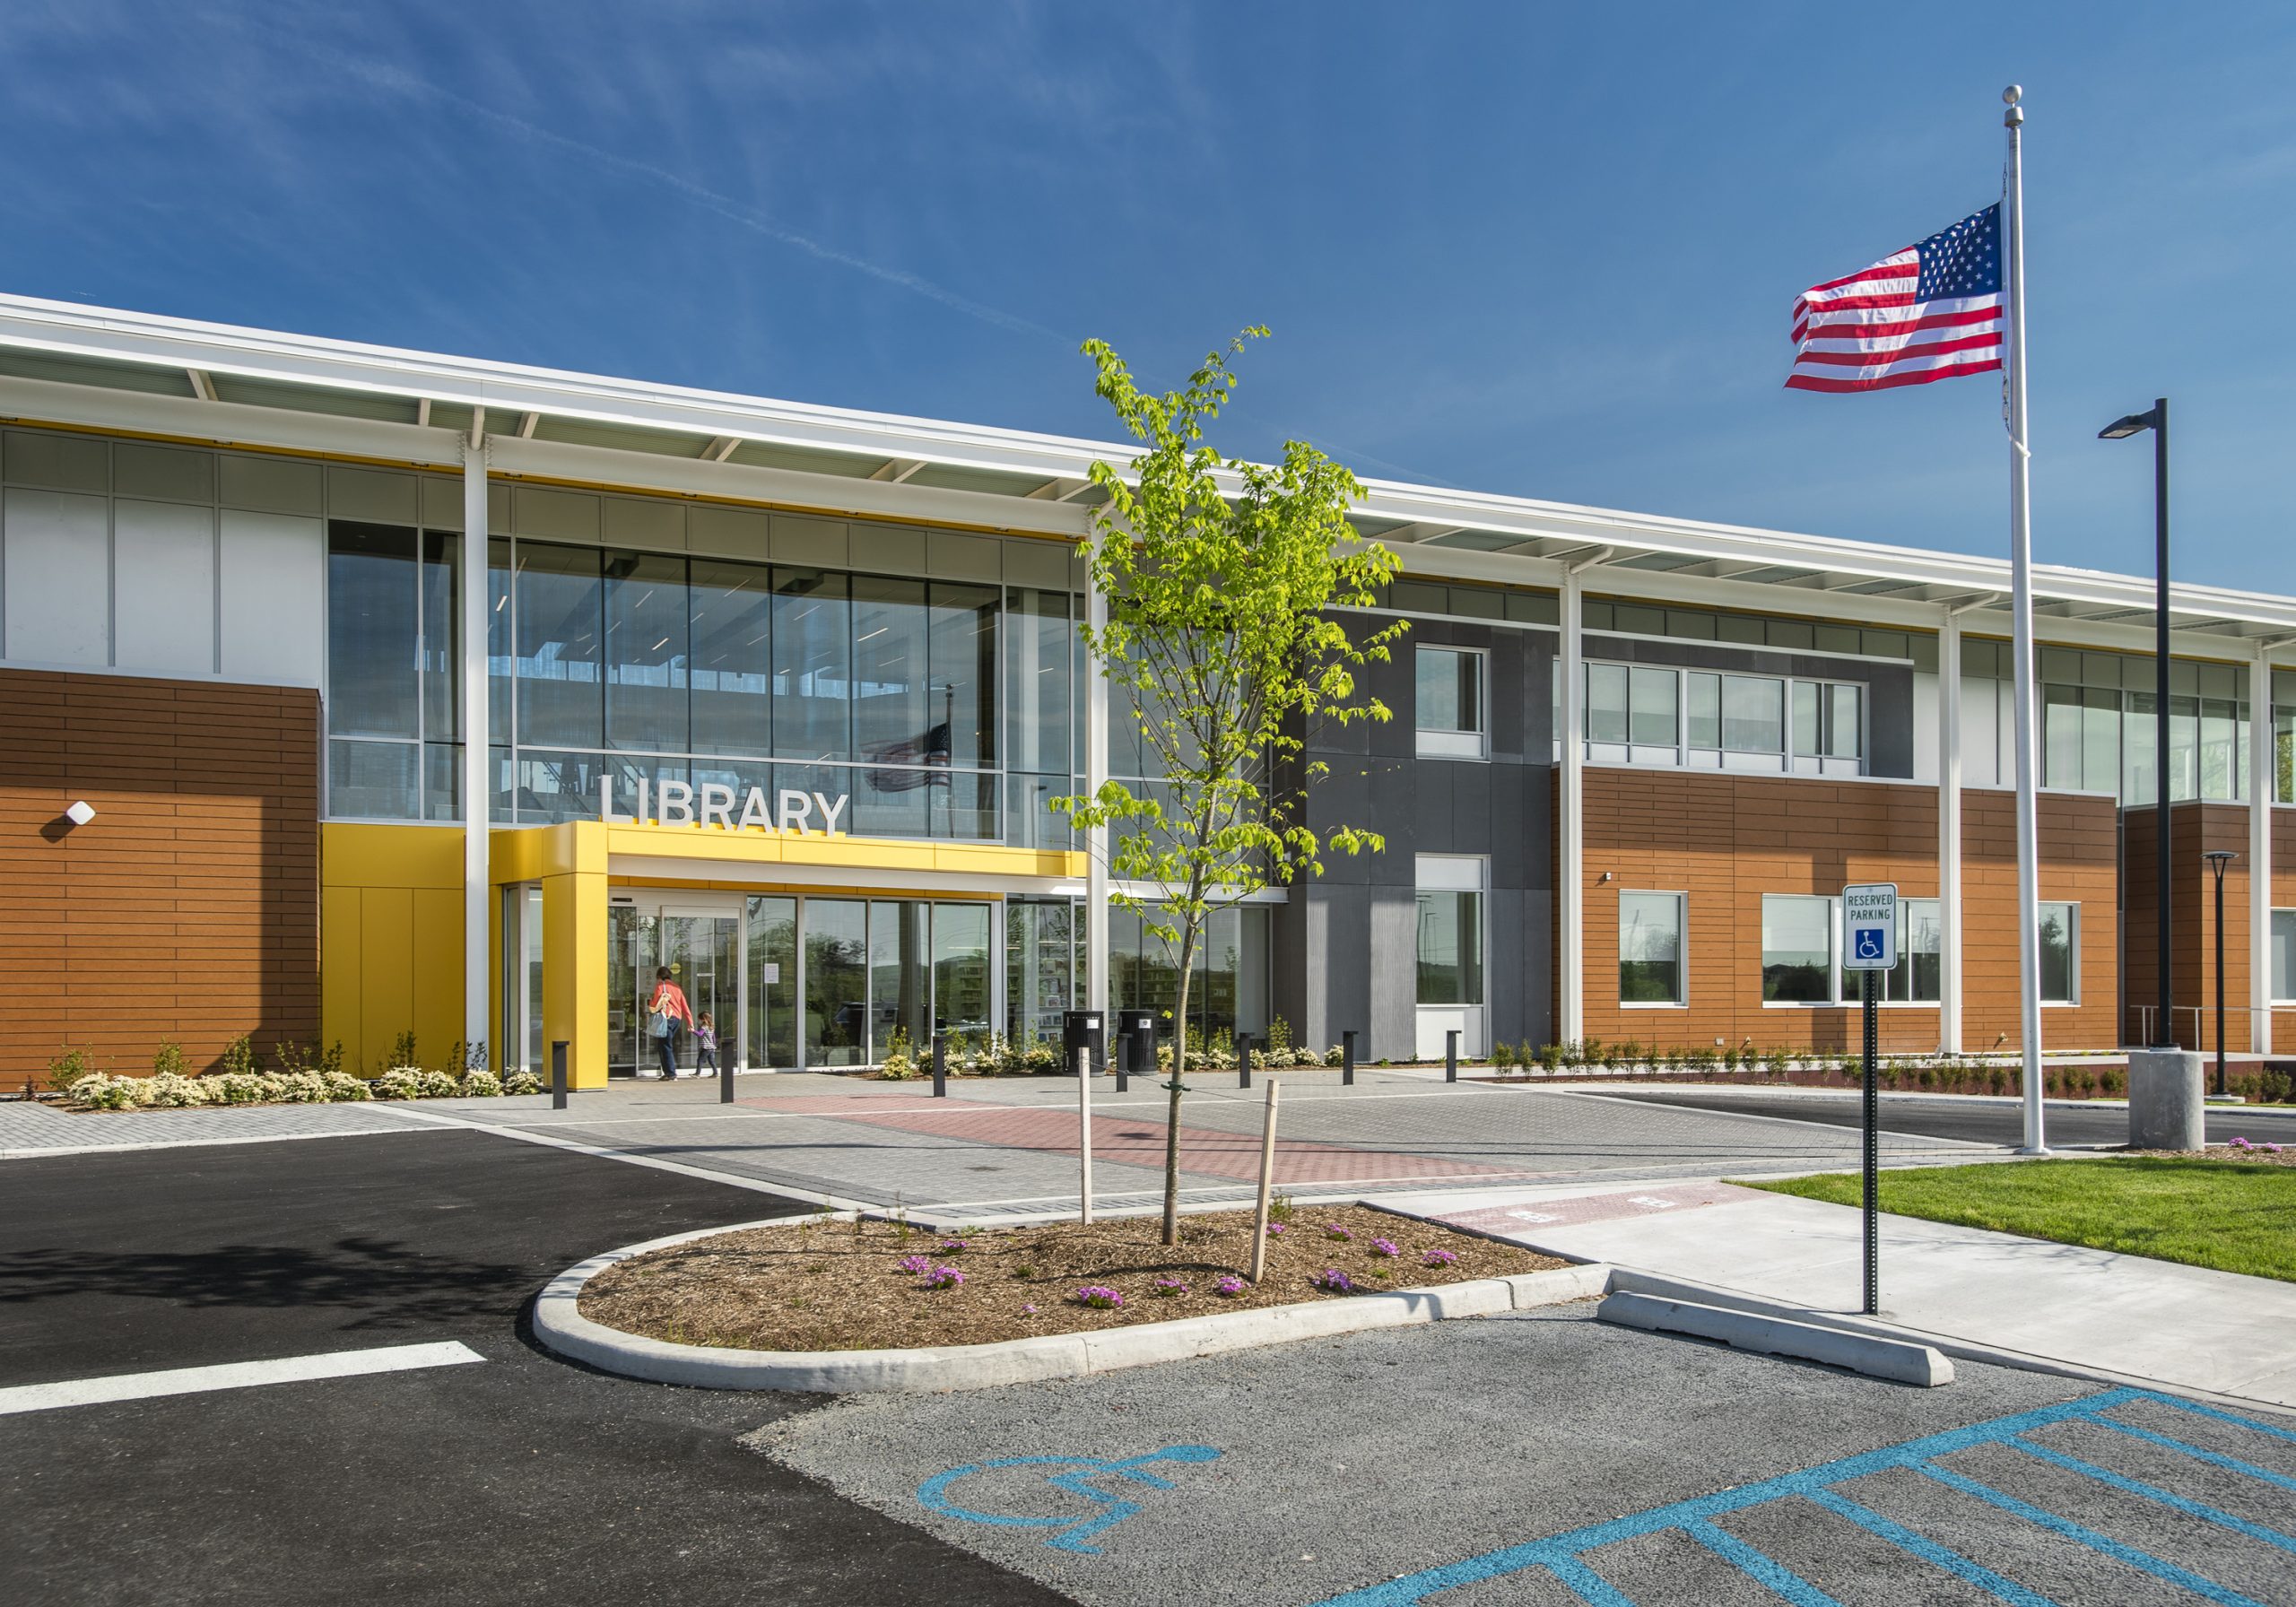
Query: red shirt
{"x": 669, "y": 997}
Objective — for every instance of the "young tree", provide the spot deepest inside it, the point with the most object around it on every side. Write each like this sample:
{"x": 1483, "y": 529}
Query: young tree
{"x": 1218, "y": 575}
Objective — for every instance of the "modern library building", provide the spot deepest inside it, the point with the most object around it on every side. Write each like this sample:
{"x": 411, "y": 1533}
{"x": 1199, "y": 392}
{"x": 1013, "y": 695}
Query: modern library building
{"x": 777, "y": 695}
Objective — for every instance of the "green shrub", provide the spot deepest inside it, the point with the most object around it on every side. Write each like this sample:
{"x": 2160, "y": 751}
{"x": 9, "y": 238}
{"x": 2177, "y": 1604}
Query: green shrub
{"x": 478, "y": 1084}
{"x": 1279, "y": 1042}
{"x": 400, "y": 1082}
{"x": 1502, "y": 1056}
{"x": 170, "y": 1090}
{"x": 403, "y": 1049}
{"x": 100, "y": 1090}
{"x": 900, "y": 1063}
{"x": 67, "y": 1067}
{"x": 168, "y": 1061}
{"x": 521, "y": 1082}
{"x": 239, "y": 1058}
{"x": 238, "y": 1087}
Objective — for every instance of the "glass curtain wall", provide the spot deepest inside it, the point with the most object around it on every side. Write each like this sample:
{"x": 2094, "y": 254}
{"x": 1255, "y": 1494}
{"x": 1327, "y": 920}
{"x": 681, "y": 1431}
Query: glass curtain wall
{"x": 1228, "y": 989}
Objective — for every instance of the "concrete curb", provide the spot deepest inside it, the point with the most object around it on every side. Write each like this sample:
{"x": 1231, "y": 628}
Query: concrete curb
{"x": 1900, "y": 1361}
{"x": 561, "y": 1328}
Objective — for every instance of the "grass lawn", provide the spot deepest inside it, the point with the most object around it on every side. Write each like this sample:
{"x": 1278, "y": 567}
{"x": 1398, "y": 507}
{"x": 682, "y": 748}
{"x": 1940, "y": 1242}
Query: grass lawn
{"x": 2234, "y": 1216}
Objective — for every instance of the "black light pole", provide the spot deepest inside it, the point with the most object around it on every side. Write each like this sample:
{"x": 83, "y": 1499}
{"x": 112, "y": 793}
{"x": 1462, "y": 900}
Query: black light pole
{"x": 2218, "y": 858}
{"x": 2157, "y": 421}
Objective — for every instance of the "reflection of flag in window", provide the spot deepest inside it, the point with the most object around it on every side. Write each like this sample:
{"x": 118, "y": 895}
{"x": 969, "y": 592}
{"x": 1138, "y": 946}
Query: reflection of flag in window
{"x": 930, "y": 748}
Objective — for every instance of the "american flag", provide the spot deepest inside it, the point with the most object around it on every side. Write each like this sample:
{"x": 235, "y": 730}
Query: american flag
{"x": 1928, "y": 312}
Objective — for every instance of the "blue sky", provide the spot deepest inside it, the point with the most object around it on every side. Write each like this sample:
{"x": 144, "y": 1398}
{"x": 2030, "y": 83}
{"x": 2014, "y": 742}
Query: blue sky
{"x": 1539, "y": 249}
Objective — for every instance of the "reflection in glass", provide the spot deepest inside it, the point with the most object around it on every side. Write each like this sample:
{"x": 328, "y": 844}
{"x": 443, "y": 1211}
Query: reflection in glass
{"x": 962, "y": 675}
{"x": 1038, "y": 639}
{"x": 1450, "y": 690}
{"x": 2059, "y": 973}
{"x": 442, "y": 714}
{"x": 1752, "y": 715}
{"x": 1606, "y": 702}
{"x": 560, "y": 647}
{"x": 812, "y": 665}
{"x": 1450, "y": 948}
{"x": 773, "y": 984}
{"x": 373, "y": 658}
{"x": 1040, "y": 969}
{"x": 1652, "y": 700}
{"x": 1705, "y": 710}
{"x": 1797, "y": 949}
{"x": 961, "y": 969}
{"x": 1649, "y": 949}
{"x": 899, "y": 983}
{"x": 372, "y": 781}
{"x": 646, "y": 653}
{"x": 731, "y": 667}
{"x": 836, "y": 982}
{"x": 889, "y": 667}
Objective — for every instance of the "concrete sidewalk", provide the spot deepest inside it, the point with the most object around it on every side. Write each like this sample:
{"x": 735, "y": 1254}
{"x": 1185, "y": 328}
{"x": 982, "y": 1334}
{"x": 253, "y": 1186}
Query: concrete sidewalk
{"x": 2185, "y": 1327}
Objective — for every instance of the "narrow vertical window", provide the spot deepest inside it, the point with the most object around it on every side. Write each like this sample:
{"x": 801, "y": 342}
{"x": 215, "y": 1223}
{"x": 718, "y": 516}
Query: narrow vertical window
{"x": 1450, "y": 699}
{"x": 1651, "y": 948}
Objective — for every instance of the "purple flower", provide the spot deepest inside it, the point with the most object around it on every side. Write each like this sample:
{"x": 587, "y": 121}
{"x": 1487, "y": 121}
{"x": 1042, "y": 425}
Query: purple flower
{"x": 1384, "y": 1246}
{"x": 1028, "y": 1311}
{"x": 955, "y": 1246}
{"x": 1332, "y": 1281}
{"x": 1274, "y": 1229}
{"x": 1100, "y": 1297}
{"x": 1439, "y": 1258}
{"x": 915, "y": 1263}
{"x": 1231, "y": 1285}
{"x": 2275, "y": 1148}
{"x": 1334, "y": 1231}
{"x": 2242, "y": 1143}
{"x": 944, "y": 1277}
{"x": 1167, "y": 1287}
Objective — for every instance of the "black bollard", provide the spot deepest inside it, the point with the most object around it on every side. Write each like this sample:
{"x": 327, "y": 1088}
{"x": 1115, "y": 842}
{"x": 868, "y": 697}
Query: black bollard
{"x": 1243, "y": 1060}
{"x": 558, "y": 1074}
{"x": 940, "y": 1065}
{"x": 724, "y": 1078}
{"x": 1347, "y": 1058}
{"x": 1127, "y": 1050}
{"x": 1451, "y": 1055}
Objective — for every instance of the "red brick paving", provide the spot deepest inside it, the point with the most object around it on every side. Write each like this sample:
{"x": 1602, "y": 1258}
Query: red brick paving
{"x": 1126, "y": 1141}
{"x": 1529, "y": 1216}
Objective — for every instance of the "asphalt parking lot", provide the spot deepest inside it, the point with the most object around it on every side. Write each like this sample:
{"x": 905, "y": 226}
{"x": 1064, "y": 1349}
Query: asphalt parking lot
{"x": 1549, "y": 1458}
{"x": 515, "y": 1479}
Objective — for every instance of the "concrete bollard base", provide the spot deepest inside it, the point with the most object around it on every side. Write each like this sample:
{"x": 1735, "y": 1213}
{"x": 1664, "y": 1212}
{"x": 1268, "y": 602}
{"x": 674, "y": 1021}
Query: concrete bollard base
{"x": 2166, "y": 1101}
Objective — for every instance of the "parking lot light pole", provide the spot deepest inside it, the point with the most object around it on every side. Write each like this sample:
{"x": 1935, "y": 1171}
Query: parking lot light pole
{"x": 2218, "y": 858}
{"x": 2121, "y": 429}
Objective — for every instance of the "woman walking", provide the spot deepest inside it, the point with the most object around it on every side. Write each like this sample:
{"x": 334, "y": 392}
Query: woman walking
{"x": 668, "y": 1014}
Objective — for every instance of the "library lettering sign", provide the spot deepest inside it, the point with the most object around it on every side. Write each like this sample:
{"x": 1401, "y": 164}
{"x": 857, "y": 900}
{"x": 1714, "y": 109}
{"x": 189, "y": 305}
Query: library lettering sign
{"x": 713, "y": 804}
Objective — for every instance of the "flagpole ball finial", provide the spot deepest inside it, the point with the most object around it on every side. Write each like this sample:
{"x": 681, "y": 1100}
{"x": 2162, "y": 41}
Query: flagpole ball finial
{"x": 2013, "y": 94}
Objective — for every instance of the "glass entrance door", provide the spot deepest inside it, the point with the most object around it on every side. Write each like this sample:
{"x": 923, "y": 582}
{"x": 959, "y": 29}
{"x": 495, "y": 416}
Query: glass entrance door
{"x": 702, "y": 948}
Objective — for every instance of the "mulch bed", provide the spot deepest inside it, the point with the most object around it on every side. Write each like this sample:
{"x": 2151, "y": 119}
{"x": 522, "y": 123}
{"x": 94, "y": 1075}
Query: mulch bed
{"x": 838, "y": 1286}
{"x": 2258, "y": 1156}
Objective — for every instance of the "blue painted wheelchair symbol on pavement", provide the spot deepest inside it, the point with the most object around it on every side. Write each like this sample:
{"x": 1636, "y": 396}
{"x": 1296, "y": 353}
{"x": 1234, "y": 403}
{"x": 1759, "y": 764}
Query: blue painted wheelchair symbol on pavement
{"x": 1869, "y": 943}
{"x": 1075, "y": 1532}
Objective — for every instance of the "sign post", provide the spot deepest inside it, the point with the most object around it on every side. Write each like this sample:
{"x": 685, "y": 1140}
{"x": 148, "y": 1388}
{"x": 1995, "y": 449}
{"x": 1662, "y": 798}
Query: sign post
{"x": 1869, "y": 946}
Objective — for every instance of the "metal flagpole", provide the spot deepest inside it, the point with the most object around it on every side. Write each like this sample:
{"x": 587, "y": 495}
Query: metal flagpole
{"x": 2020, "y": 574}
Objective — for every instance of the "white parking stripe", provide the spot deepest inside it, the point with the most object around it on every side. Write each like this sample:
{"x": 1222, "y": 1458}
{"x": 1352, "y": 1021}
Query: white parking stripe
{"x": 233, "y": 1375}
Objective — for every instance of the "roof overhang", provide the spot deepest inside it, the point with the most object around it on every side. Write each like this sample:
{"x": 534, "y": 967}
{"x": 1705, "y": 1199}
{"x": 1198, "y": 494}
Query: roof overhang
{"x": 99, "y": 368}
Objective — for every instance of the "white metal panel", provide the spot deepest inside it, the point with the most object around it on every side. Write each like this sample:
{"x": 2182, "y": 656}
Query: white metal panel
{"x": 54, "y": 578}
{"x": 170, "y": 473}
{"x": 1925, "y": 726}
{"x": 1451, "y": 873}
{"x": 274, "y": 584}
{"x": 1980, "y": 731}
{"x": 163, "y": 597}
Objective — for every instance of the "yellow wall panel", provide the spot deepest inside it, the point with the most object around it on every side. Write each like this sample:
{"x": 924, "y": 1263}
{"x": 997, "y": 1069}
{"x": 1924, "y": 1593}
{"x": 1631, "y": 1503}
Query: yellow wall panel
{"x": 385, "y": 976}
{"x": 436, "y": 964}
{"x": 340, "y": 969}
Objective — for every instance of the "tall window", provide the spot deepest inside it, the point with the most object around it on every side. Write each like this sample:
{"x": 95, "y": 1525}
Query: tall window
{"x": 1449, "y": 700}
{"x": 2060, "y": 934}
{"x": 394, "y": 721}
{"x": 1796, "y": 950}
{"x": 1801, "y": 953}
{"x": 2283, "y": 956}
{"x": 1651, "y": 948}
{"x": 1450, "y": 928}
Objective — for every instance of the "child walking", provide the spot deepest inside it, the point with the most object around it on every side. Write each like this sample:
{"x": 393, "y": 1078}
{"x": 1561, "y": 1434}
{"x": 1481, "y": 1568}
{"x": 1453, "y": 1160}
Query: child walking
{"x": 705, "y": 1046}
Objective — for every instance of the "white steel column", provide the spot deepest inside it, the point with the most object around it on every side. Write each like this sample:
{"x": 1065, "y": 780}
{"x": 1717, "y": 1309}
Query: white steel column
{"x": 1949, "y": 835}
{"x": 2263, "y": 776}
{"x": 2021, "y": 613}
{"x": 1096, "y": 840}
{"x": 475, "y": 789}
{"x": 1570, "y": 860}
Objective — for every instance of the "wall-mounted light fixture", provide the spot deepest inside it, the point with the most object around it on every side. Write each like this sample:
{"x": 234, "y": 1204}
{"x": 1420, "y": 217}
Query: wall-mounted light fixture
{"x": 80, "y": 813}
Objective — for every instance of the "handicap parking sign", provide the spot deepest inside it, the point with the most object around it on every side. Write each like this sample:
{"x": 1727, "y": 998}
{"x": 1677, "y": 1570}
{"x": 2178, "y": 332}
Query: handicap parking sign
{"x": 1869, "y": 922}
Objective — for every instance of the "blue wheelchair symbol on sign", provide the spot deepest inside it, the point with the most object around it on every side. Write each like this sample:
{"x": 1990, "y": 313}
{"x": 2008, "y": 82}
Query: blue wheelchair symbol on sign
{"x": 1870, "y": 945}
{"x": 1075, "y": 1532}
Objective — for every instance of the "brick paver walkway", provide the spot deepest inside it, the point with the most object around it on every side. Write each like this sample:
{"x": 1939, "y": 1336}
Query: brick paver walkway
{"x": 30, "y": 1129}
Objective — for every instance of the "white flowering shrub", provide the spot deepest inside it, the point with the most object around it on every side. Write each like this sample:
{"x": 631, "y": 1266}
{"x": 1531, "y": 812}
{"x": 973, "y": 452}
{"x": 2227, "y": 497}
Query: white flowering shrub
{"x": 239, "y": 1088}
{"x": 522, "y": 1082}
{"x": 100, "y": 1090}
{"x": 479, "y": 1084}
{"x": 345, "y": 1088}
{"x": 435, "y": 1085}
{"x": 169, "y": 1091}
{"x": 300, "y": 1087}
{"x": 400, "y": 1082}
